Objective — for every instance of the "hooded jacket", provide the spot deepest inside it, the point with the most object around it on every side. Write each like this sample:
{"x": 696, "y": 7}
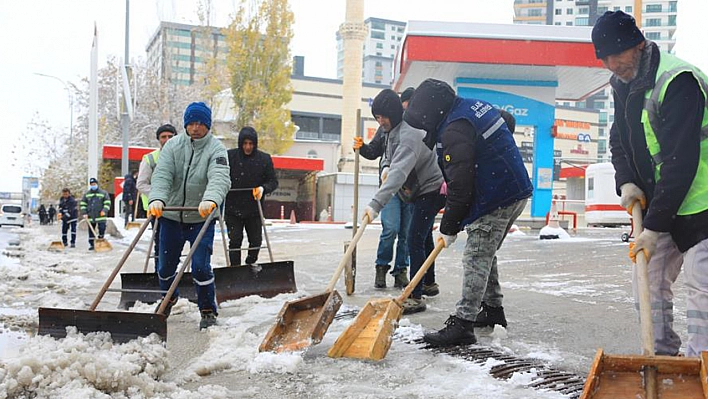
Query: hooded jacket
{"x": 189, "y": 172}
{"x": 679, "y": 137}
{"x": 67, "y": 208}
{"x": 248, "y": 172}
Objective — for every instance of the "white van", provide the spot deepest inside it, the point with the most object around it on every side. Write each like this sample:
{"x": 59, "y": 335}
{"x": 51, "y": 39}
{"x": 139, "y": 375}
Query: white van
{"x": 11, "y": 215}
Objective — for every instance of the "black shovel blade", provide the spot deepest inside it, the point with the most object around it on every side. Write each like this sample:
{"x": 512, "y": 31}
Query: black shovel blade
{"x": 123, "y": 326}
{"x": 263, "y": 279}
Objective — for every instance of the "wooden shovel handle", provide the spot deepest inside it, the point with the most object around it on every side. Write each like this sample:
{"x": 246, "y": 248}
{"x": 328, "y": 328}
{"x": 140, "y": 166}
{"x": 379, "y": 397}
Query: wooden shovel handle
{"x": 643, "y": 287}
{"x": 439, "y": 245}
{"x": 348, "y": 254}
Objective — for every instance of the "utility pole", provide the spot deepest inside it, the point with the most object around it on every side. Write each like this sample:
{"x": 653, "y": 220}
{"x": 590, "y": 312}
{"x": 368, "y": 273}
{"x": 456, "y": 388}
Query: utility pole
{"x": 124, "y": 117}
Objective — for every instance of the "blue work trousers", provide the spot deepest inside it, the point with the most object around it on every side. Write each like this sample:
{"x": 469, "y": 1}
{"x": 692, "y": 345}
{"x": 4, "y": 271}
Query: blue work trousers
{"x": 425, "y": 208}
{"x": 395, "y": 220}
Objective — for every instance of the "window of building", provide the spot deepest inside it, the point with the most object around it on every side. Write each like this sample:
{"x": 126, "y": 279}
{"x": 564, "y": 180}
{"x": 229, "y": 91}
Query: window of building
{"x": 653, "y": 22}
{"x": 331, "y": 126}
{"x": 566, "y": 103}
{"x": 601, "y": 147}
{"x": 628, "y": 9}
{"x": 312, "y": 154}
{"x": 617, "y": 8}
{"x": 379, "y": 45}
{"x": 378, "y": 53}
{"x": 598, "y": 105}
{"x": 584, "y": 10}
{"x": 393, "y": 28}
{"x": 672, "y": 6}
{"x": 602, "y": 10}
{"x": 557, "y": 23}
{"x": 611, "y": 119}
{"x": 582, "y": 21}
{"x": 535, "y": 12}
{"x": 393, "y": 37}
{"x": 653, "y": 8}
{"x": 601, "y": 132}
{"x": 307, "y": 124}
{"x": 569, "y": 11}
{"x": 378, "y": 25}
{"x": 569, "y": 23}
{"x": 672, "y": 20}
{"x": 653, "y": 35}
{"x": 378, "y": 63}
{"x": 559, "y": 11}
{"x": 393, "y": 47}
{"x": 378, "y": 35}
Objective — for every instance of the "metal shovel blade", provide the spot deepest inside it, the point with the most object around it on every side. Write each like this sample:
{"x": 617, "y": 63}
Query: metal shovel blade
{"x": 123, "y": 326}
{"x": 302, "y": 323}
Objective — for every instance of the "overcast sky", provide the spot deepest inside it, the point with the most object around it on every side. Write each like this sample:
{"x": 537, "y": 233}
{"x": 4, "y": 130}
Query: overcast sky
{"x": 54, "y": 38}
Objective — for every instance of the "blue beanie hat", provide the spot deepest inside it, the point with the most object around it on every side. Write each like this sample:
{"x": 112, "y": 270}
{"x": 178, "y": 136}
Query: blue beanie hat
{"x": 615, "y": 32}
{"x": 197, "y": 112}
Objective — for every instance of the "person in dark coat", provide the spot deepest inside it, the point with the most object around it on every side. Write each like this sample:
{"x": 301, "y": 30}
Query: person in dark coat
{"x": 68, "y": 214}
{"x": 659, "y": 145}
{"x": 252, "y": 177}
{"x": 52, "y": 213}
{"x": 42, "y": 214}
{"x": 130, "y": 195}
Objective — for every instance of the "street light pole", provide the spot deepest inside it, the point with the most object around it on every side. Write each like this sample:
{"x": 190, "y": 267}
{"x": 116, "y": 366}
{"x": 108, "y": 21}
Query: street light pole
{"x": 71, "y": 104}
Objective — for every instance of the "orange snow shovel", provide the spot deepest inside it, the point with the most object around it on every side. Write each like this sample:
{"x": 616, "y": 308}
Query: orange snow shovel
{"x": 369, "y": 335}
{"x": 305, "y": 321}
{"x": 646, "y": 376}
{"x": 134, "y": 224}
{"x": 100, "y": 244}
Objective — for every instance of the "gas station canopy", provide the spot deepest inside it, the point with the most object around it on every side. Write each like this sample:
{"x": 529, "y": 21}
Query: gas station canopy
{"x": 556, "y": 56}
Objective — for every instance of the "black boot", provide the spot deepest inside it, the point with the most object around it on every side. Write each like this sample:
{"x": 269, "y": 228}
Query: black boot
{"x": 380, "y": 281}
{"x": 456, "y": 332}
{"x": 488, "y": 316}
{"x": 400, "y": 279}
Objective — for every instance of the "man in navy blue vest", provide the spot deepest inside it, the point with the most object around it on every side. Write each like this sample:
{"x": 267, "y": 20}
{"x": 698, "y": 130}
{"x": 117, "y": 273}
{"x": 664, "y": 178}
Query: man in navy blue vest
{"x": 487, "y": 189}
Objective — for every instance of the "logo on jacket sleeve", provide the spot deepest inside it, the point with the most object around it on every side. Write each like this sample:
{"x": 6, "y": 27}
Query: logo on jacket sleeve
{"x": 222, "y": 161}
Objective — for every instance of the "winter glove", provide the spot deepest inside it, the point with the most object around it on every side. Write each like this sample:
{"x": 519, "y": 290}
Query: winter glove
{"x": 205, "y": 208}
{"x": 631, "y": 194}
{"x": 646, "y": 242}
{"x": 384, "y": 174}
{"x": 103, "y": 213}
{"x": 370, "y": 213}
{"x": 446, "y": 239}
{"x": 258, "y": 193}
{"x": 155, "y": 208}
{"x": 58, "y": 216}
{"x": 358, "y": 142}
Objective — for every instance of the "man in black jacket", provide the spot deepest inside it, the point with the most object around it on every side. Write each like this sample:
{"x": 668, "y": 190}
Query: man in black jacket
{"x": 659, "y": 145}
{"x": 68, "y": 214}
{"x": 252, "y": 176}
{"x": 129, "y": 196}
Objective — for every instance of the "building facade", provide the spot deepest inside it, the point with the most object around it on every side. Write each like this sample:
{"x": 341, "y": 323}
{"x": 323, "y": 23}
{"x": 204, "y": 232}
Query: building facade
{"x": 380, "y": 47}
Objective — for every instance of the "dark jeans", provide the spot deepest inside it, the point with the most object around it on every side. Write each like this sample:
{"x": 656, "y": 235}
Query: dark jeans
{"x": 173, "y": 235}
{"x": 425, "y": 207}
{"x": 395, "y": 220}
{"x": 254, "y": 232}
{"x": 129, "y": 212}
{"x": 65, "y": 224}
{"x": 100, "y": 226}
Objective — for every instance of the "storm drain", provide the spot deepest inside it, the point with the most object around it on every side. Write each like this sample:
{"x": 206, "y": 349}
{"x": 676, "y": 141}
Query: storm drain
{"x": 548, "y": 378}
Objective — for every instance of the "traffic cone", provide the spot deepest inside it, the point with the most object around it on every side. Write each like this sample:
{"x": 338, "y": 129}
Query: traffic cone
{"x": 293, "y": 220}
{"x": 553, "y": 231}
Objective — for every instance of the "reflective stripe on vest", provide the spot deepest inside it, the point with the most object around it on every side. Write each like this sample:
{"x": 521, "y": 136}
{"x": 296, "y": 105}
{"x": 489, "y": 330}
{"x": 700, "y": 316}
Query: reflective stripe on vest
{"x": 151, "y": 160}
{"x": 670, "y": 67}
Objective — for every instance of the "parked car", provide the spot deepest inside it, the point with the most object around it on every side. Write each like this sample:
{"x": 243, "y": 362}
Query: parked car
{"x": 11, "y": 215}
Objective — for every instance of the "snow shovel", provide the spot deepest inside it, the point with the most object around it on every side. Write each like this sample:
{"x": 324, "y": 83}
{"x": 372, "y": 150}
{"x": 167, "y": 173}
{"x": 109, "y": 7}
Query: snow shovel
{"x": 57, "y": 246}
{"x": 99, "y": 244}
{"x": 134, "y": 224}
{"x": 305, "y": 321}
{"x": 123, "y": 326}
{"x": 369, "y": 335}
{"x": 646, "y": 376}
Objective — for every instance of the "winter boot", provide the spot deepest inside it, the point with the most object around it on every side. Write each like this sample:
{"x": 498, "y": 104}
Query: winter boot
{"x": 168, "y": 308}
{"x": 413, "y": 305}
{"x": 401, "y": 279}
{"x": 488, "y": 316}
{"x": 208, "y": 319}
{"x": 456, "y": 332}
{"x": 380, "y": 281}
{"x": 431, "y": 290}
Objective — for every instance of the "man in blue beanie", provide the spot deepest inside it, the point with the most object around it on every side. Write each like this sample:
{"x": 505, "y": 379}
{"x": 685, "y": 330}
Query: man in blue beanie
{"x": 193, "y": 172}
{"x": 659, "y": 145}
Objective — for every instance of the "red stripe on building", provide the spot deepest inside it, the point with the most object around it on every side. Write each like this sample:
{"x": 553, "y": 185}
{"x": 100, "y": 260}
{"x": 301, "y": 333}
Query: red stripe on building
{"x": 134, "y": 153}
{"x": 604, "y": 208}
{"x": 499, "y": 51}
{"x": 575, "y": 171}
{"x": 294, "y": 163}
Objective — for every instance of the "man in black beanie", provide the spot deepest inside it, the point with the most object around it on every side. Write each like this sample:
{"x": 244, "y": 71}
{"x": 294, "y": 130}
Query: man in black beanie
{"x": 414, "y": 177}
{"x": 659, "y": 145}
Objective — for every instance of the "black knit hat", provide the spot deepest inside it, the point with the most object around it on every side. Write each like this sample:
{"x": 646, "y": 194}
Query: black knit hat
{"x": 615, "y": 32}
{"x": 93, "y": 180}
{"x": 388, "y": 104}
{"x": 165, "y": 128}
{"x": 407, "y": 94}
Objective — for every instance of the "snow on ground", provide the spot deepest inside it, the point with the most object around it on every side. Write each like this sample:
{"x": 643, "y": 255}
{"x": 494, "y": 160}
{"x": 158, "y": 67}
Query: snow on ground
{"x": 230, "y": 365}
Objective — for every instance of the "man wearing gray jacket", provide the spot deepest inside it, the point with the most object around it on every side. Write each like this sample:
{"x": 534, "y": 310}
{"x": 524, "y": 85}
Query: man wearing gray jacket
{"x": 415, "y": 176}
{"x": 193, "y": 172}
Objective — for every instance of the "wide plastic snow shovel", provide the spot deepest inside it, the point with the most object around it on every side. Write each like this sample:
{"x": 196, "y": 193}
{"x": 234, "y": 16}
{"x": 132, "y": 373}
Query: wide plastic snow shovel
{"x": 123, "y": 326}
{"x": 232, "y": 282}
{"x": 57, "y": 246}
{"x": 99, "y": 244}
{"x": 134, "y": 224}
{"x": 646, "y": 376}
{"x": 369, "y": 335}
{"x": 305, "y": 321}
